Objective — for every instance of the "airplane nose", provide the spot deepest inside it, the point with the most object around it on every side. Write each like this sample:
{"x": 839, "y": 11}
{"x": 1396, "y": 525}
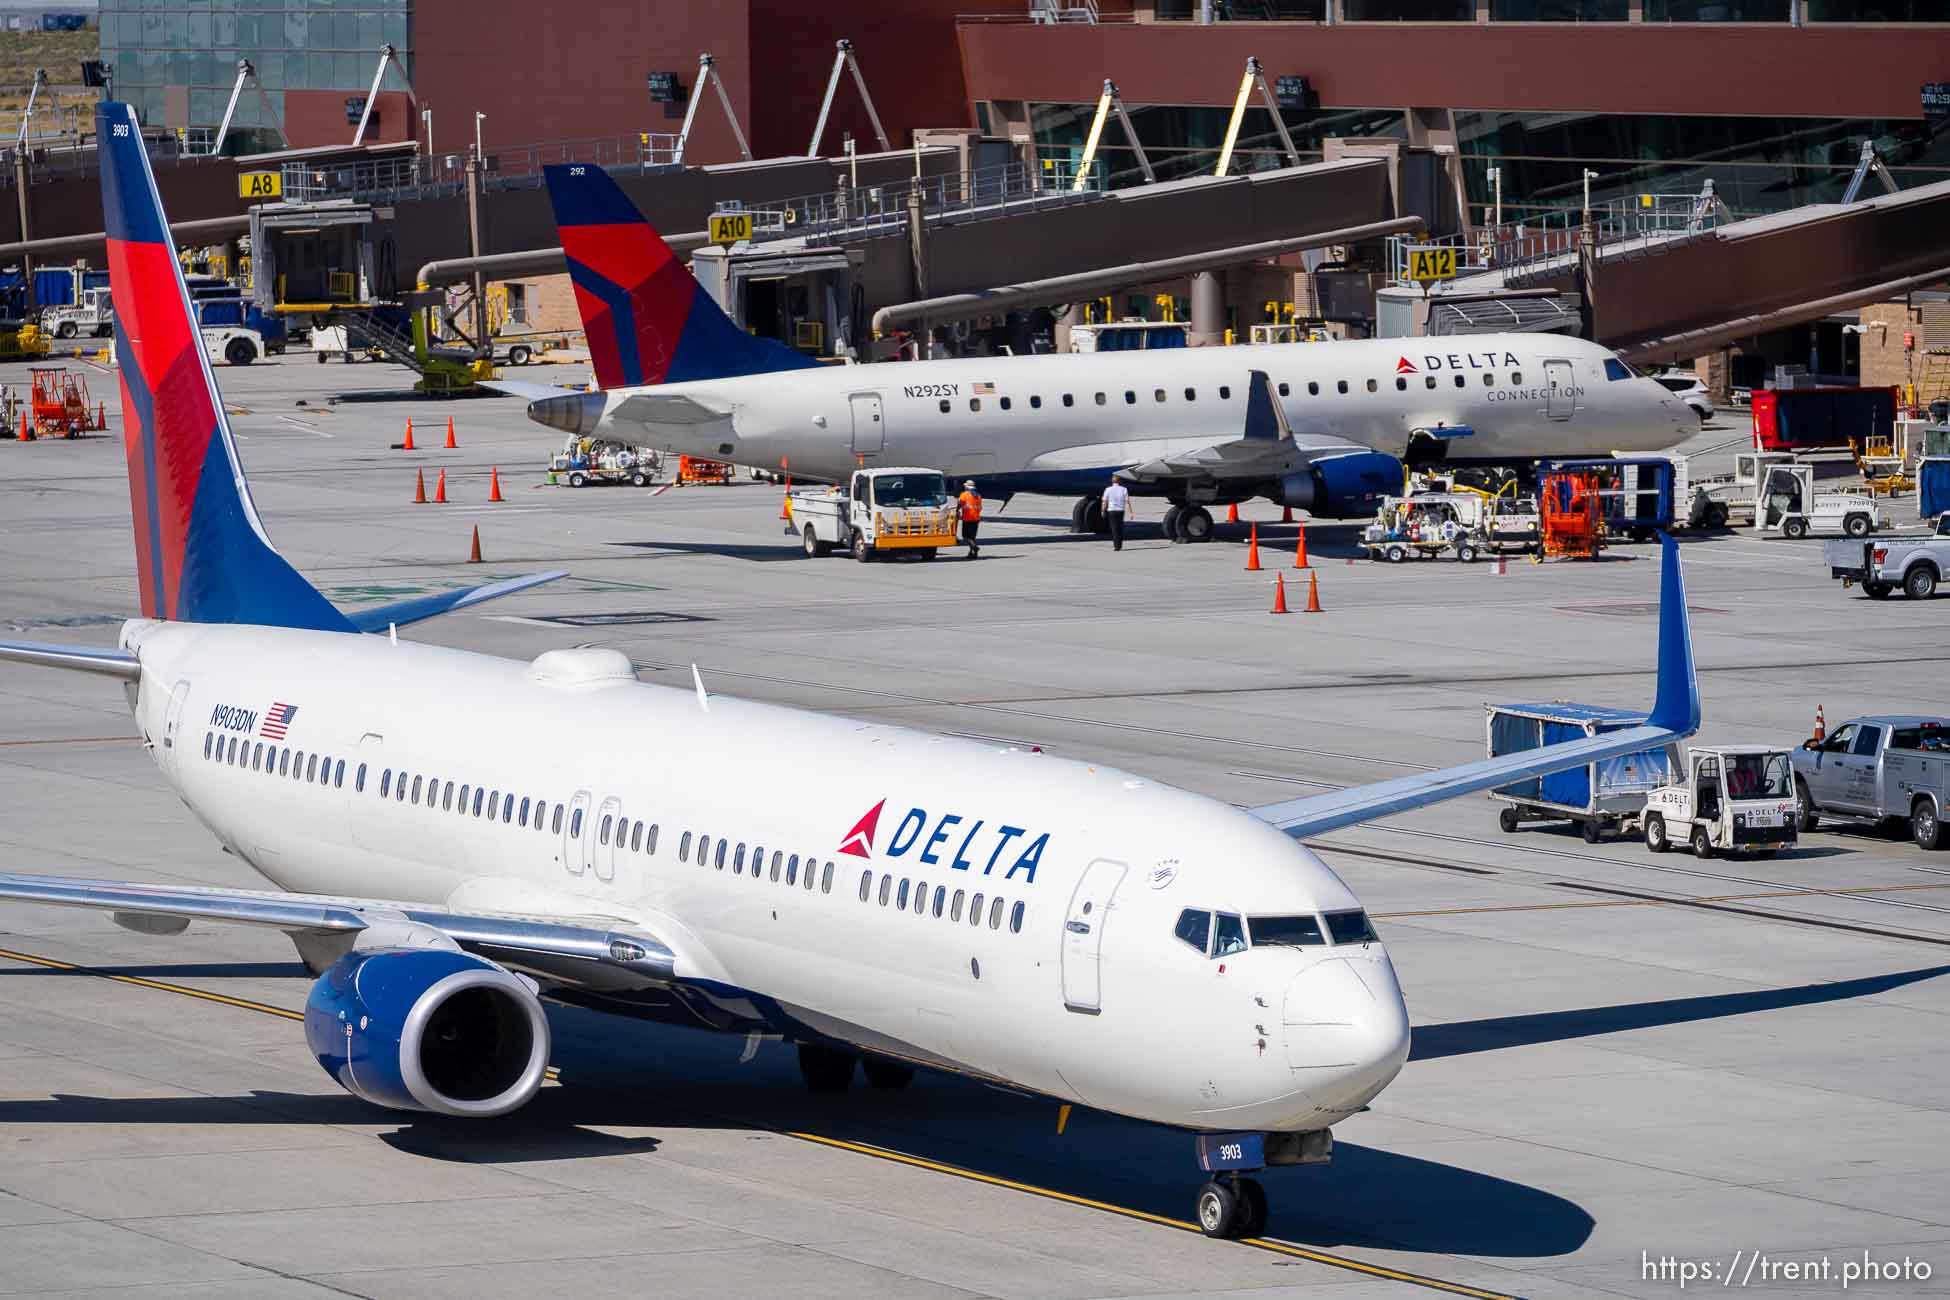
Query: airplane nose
{"x": 1346, "y": 1030}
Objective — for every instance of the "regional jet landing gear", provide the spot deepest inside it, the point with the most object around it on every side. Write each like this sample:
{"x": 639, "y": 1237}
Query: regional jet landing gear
{"x": 1234, "y": 1205}
{"x": 830, "y": 1069}
{"x": 1087, "y": 516}
{"x": 1188, "y": 523}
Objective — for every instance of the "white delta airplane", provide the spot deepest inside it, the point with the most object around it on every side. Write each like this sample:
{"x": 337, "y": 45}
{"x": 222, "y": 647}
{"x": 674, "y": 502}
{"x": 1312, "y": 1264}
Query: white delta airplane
{"x": 674, "y": 372}
{"x": 455, "y": 840}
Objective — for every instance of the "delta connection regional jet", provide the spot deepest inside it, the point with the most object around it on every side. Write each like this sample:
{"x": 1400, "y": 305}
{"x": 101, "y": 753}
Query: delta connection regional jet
{"x": 453, "y": 840}
{"x": 676, "y": 373}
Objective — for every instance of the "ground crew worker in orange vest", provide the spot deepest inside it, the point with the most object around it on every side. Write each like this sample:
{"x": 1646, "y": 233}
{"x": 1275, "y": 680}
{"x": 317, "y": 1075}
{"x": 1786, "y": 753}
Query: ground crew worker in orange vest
{"x": 971, "y": 516}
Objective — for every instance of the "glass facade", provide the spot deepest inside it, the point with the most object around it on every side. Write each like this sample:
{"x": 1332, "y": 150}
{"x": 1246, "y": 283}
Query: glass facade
{"x": 1757, "y": 164}
{"x": 153, "y": 45}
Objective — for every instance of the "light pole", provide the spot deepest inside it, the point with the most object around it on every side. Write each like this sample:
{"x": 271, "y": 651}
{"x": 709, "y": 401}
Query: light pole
{"x": 426, "y": 119}
{"x": 1589, "y": 176}
{"x": 479, "y": 117}
{"x": 1496, "y": 182}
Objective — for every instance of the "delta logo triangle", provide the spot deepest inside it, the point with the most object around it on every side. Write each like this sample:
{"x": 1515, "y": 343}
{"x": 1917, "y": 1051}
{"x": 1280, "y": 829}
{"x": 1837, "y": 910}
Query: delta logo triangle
{"x": 1405, "y": 367}
{"x": 859, "y": 841}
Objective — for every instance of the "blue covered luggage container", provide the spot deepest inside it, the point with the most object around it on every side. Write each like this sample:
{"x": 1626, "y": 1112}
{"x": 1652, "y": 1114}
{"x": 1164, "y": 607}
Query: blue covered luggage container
{"x": 1598, "y": 796}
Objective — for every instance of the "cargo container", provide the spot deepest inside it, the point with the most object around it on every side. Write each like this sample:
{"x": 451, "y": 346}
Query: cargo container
{"x": 1598, "y": 797}
{"x": 1810, "y": 419}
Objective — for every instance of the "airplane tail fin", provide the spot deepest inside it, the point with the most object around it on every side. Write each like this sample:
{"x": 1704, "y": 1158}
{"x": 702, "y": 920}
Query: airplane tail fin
{"x": 202, "y": 555}
{"x": 647, "y": 319}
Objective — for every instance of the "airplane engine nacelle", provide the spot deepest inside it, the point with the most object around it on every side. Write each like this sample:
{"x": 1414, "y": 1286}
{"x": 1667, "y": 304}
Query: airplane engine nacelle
{"x": 577, "y": 413}
{"x": 1343, "y": 487}
{"x": 428, "y": 1029}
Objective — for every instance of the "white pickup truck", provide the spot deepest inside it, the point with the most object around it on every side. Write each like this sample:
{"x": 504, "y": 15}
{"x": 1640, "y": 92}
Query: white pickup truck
{"x": 1915, "y": 565}
{"x": 1892, "y": 767}
{"x": 878, "y": 512}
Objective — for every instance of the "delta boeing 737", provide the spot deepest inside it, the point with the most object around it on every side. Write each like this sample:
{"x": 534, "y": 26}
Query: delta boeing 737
{"x": 676, "y": 373}
{"x": 452, "y": 840}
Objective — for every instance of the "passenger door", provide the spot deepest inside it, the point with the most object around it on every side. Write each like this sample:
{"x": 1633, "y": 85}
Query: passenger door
{"x": 576, "y": 836}
{"x": 1561, "y": 398}
{"x": 869, "y": 431}
{"x": 1083, "y": 936}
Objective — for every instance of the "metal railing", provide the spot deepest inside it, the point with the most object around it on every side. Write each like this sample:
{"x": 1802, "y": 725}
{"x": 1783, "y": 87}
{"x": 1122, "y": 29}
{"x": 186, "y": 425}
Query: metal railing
{"x": 419, "y": 176}
{"x": 1629, "y": 227}
{"x": 1063, "y": 11}
{"x": 852, "y": 213}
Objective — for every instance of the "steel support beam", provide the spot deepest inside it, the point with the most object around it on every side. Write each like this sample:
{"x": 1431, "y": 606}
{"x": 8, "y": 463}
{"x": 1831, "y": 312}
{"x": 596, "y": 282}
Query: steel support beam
{"x": 532, "y": 261}
{"x": 1698, "y": 342}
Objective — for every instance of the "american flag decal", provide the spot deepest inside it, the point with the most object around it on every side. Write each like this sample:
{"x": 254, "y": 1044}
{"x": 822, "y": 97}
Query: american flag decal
{"x": 985, "y": 390}
{"x": 277, "y": 720}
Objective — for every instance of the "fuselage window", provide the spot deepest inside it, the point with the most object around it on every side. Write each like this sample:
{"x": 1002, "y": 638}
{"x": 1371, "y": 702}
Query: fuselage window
{"x": 494, "y": 804}
{"x": 284, "y": 768}
{"x": 826, "y": 878}
{"x": 359, "y": 780}
{"x": 338, "y": 774}
{"x": 399, "y": 789}
{"x": 479, "y": 795}
{"x": 940, "y": 900}
{"x": 1069, "y": 400}
{"x": 1350, "y": 927}
{"x": 791, "y": 869}
{"x": 508, "y": 810}
{"x": 311, "y": 770}
{"x": 974, "y": 403}
{"x": 921, "y": 899}
{"x": 1231, "y": 935}
{"x": 1101, "y": 399}
{"x": 995, "y": 913}
{"x": 945, "y": 406}
{"x": 649, "y": 843}
{"x": 602, "y": 833}
{"x": 778, "y": 866}
{"x": 386, "y": 784}
{"x": 1401, "y": 385}
{"x": 718, "y": 861}
{"x": 1516, "y": 377}
{"x": 558, "y": 815}
{"x": 1461, "y": 382}
{"x": 954, "y": 908}
{"x": 975, "y": 910}
{"x": 1015, "y": 918}
{"x": 1195, "y": 928}
{"x": 1373, "y": 387}
{"x": 1191, "y": 394}
{"x": 524, "y": 813}
{"x": 684, "y": 848}
{"x": 1130, "y": 397}
{"x": 447, "y": 798}
{"x": 1428, "y": 381}
{"x": 1313, "y": 388}
{"x": 1003, "y": 403}
{"x": 1286, "y": 931}
{"x": 575, "y": 820}
{"x": 1035, "y": 402}
{"x": 886, "y": 888}
{"x": 209, "y": 739}
{"x": 1158, "y": 395}
{"x": 284, "y": 762}
{"x": 1488, "y": 379}
{"x": 1340, "y": 386}
{"x": 704, "y": 851}
{"x": 900, "y": 899}
{"x": 738, "y": 862}
{"x": 1284, "y": 389}
{"x": 1225, "y": 392}
{"x": 541, "y": 813}
{"x": 233, "y": 752}
{"x": 866, "y": 884}
{"x": 416, "y": 790}
{"x": 257, "y": 758}
{"x": 636, "y": 835}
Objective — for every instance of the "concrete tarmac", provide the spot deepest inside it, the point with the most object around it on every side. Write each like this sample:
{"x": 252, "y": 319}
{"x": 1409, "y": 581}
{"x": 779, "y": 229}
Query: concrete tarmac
{"x": 1626, "y": 1067}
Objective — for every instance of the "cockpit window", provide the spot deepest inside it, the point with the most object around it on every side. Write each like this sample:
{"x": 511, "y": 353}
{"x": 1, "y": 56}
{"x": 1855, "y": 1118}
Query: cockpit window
{"x": 1616, "y": 369}
{"x": 1231, "y": 935}
{"x": 1194, "y": 927}
{"x": 1350, "y": 927}
{"x": 1287, "y": 931}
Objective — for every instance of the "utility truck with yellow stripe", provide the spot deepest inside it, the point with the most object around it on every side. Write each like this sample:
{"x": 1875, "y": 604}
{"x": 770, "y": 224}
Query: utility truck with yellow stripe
{"x": 878, "y": 512}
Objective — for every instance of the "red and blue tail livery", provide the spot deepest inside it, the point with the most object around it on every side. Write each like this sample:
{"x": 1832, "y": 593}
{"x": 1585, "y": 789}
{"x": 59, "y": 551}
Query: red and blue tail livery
{"x": 202, "y": 555}
{"x": 647, "y": 319}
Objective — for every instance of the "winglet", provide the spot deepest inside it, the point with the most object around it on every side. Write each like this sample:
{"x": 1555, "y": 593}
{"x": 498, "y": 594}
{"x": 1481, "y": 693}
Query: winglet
{"x": 1676, "y": 706}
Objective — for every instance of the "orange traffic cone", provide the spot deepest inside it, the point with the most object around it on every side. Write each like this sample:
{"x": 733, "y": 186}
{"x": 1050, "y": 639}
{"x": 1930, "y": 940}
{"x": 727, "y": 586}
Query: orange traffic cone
{"x": 1300, "y": 553}
{"x": 1252, "y": 551}
{"x": 451, "y": 444}
{"x": 101, "y": 415}
{"x": 474, "y": 554}
{"x": 419, "y": 487}
{"x": 1279, "y": 594}
{"x": 1286, "y": 514}
{"x": 494, "y": 483}
{"x": 408, "y": 444}
{"x": 440, "y": 489}
{"x": 1232, "y": 513}
{"x": 26, "y": 434}
{"x": 1313, "y": 591}
{"x": 1821, "y": 724}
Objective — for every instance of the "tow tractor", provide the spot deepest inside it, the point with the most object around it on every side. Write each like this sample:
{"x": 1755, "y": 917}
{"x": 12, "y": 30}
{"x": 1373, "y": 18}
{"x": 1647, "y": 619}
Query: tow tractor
{"x": 583, "y": 461}
{"x": 1788, "y": 503}
{"x": 878, "y": 512}
{"x": 1730, "y": 799}
{"x": 92, "y": 314}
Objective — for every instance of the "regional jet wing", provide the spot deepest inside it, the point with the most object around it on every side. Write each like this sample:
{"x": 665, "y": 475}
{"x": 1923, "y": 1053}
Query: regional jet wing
{"x": 1266, "y": 448}
{"x": 1675, "y": 715}
{"x": 587, "y": 951}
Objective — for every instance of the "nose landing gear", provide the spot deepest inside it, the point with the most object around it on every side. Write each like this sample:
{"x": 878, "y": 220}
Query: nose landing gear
{"x": 1233, "y": 1205}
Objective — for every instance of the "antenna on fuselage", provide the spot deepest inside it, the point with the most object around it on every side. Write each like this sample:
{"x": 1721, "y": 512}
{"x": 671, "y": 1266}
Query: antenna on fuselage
{"x": 697, "y": 680}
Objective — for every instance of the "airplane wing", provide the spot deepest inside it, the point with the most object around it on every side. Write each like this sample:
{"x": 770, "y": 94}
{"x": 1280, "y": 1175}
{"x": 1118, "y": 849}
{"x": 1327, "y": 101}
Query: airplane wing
{"x": 590, "y": 952}
{"x": 526, "y": 391}
{"x": 1675, "y": 715}
{"x": 1266, "y": 448}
